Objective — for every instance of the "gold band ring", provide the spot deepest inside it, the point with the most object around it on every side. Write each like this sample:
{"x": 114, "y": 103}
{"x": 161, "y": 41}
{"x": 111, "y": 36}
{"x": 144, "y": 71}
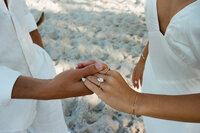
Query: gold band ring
{"x": 99, "y": 83}
{"x": 107, "y": 70}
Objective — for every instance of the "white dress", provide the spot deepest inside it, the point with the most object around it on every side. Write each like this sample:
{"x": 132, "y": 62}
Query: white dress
{"x": 173, "y": 63}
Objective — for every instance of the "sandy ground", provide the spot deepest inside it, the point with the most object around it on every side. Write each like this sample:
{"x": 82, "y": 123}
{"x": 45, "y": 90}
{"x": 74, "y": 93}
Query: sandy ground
{"x": 110, "y": 31}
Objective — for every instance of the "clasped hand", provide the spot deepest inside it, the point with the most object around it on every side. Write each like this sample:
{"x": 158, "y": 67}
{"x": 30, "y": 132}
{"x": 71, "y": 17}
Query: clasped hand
{"x": 114, "y": 90}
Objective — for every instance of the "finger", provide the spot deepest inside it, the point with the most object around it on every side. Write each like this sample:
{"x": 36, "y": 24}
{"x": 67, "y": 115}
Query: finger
{"x": 94, "y": 80}
{"x": 138, "y": 84}
{"x": 141, "y": 79}
{"x": 84, "y": 64}
{"x": 113, "y": 73}
{"x": 79, "y": 66}
{"x": 134, "y": 81}
{"x": 90, "y": 70}
{"x": 105, "y": 77}
{"x": 91, "y": 86}
{"x": 105, "y": 71}
{"x": 80, "y": 90}
{"x": 133, "y": 77}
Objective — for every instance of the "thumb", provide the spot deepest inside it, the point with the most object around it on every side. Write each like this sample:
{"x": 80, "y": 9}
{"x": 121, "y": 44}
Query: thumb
{"x": 92, "y": 69}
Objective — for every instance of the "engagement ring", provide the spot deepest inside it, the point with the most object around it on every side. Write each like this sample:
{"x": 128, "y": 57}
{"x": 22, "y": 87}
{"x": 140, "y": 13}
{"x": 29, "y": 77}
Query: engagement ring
{"x": 100, "y": 80}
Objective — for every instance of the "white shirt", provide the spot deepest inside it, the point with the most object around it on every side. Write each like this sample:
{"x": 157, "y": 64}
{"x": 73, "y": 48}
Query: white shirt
{"x": 173, "y": 63}
{"x": 20, "y": 56}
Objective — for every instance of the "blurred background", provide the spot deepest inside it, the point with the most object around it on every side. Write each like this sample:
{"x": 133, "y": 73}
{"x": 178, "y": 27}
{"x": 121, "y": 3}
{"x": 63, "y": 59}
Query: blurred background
{"x": 110, "y": 31}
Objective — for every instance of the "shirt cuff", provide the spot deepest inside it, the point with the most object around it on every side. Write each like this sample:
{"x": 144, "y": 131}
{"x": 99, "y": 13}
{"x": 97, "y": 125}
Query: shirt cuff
{"x": 30, "y": 22}
{"x": 8, "y": 78}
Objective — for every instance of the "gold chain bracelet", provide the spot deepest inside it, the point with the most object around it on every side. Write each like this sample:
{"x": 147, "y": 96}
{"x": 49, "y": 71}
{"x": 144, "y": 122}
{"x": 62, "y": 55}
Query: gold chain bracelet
{"x": 134, "y": 111}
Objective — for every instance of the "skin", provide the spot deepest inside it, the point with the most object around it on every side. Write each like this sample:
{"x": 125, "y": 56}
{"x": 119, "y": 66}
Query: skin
{"x": 164, "y": 19}
{"x": 65, "y": 85}
{"x": 179, "y": 108}
{"x": 35, "y": 35}
{"x": 167, "y": 9}
{"x": 139, "y": 69}
{"x": 183, "y": 108}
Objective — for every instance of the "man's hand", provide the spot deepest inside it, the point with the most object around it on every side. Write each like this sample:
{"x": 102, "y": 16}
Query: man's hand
{"x": 65, "y": 85}
{"x": 87, "y": 63}
{"x": 69, "y": 82}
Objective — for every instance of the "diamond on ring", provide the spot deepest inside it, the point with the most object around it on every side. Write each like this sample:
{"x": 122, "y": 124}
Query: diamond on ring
{"x": 83, "y": 79}
{"x": 136, "y": 82}
{"x": 100, "y": 80}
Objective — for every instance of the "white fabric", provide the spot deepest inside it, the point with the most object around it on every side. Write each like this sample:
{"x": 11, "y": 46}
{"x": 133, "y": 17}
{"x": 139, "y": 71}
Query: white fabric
{"x": 7, "y": 83}
{"x": 20, "y": 56}
{"x": 173, "y": 63}
{"x": 30, "y": 21}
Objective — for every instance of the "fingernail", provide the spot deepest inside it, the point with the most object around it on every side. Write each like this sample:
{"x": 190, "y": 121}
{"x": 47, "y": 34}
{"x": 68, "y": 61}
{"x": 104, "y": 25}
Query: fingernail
{"x": 98, "y": 66}
{"x": 83, "y": 79}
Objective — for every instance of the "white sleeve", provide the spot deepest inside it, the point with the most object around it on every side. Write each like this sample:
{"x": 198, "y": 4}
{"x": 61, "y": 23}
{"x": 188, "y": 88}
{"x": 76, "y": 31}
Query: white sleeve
{"x": 8, "y": 78}
{"x": 29, "y": 18}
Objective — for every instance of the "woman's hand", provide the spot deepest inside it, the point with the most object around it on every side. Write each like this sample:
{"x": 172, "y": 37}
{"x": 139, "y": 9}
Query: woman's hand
{"x": 138, "y": 71}
{"x": 114, "y": 91}
{"x": 137, "y": 76}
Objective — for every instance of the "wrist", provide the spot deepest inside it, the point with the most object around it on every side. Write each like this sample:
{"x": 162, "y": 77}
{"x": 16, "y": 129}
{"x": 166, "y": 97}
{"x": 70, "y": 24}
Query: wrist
{"x": 47, "y": 90}
{"x": 140, "y": 104}
{"x": 137, "y": 104}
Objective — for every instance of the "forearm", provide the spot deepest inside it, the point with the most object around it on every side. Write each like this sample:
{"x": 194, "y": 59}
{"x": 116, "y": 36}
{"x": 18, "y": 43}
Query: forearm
{"x": 184, "y": 108}
{"x": 41, "y": 89}
{"x": 28, "y": 88}
{"x": 35, "y": 35}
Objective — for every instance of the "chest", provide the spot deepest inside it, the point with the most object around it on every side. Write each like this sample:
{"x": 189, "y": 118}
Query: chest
{"x": 167, "y": 9}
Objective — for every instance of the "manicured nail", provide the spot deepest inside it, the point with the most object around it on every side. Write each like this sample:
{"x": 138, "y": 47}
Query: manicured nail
{"x": 83, "y": 79}
{"x": 98, "y": 66}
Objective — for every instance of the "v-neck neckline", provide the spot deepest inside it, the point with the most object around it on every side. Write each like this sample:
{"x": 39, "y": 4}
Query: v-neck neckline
{"x": 173, "y": 17}
{"x": 6, "y": 3}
